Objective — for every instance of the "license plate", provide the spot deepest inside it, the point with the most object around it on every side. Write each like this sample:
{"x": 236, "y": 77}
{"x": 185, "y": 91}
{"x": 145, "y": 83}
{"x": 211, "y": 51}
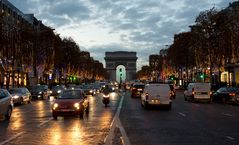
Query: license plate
{"x": 65, "y": 110}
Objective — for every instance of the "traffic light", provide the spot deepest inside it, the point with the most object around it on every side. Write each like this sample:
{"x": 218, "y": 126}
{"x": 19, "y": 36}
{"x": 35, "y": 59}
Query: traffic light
{"x": 172, "y": 77}
{"x": 120, "y": 70}
{"x": 202, "y": 76}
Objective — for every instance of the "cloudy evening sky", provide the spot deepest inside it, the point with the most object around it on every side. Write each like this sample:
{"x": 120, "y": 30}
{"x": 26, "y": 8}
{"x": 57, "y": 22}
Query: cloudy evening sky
{"x": 144, "y": 26}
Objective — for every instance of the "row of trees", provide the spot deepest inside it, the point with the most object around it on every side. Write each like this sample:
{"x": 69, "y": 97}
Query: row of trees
{"x": 212, "y": 43}
{"x": 26, "y": 46}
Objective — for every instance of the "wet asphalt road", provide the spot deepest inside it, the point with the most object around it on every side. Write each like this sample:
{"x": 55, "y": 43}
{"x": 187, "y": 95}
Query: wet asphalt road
{"x": 186, "y": 124}
{"x": 33, "y": 124}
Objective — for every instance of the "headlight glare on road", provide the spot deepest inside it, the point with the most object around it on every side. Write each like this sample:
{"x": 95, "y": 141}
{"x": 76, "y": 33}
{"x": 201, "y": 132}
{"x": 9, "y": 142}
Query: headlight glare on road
{"x": 77, "y": 105}
{"x": 55, "y": 105}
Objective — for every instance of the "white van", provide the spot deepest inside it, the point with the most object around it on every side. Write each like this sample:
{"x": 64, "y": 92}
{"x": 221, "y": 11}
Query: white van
{"x": 158, "y": 94}
{"x": 198, "y": 91}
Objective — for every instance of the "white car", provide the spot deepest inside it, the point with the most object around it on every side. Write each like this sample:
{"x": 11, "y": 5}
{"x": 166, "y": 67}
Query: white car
{"x": 6, "y": 104}
{"x": 198, "y": 91}
{"x": 156, "y": 94}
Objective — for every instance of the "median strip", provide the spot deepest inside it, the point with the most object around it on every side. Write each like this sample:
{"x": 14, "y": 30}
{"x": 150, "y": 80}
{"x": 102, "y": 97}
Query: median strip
{"x": 117, "y": 124}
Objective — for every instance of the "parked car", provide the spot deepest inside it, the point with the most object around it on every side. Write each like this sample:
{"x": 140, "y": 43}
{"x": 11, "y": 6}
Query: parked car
{"x": 6, "y": 104}
{"x": 226, "y": 95}
{"x": 198, "y": 92}
{"x": 20, "y": 95}
{"x": 156, "y": 94}
{"x": 70, "y": 102}
{"x": 137, "y": 90}
{"x": 39, "y": 91}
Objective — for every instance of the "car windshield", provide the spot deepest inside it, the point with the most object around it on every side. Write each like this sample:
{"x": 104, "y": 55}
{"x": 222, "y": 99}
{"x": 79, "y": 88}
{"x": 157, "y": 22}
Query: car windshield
{"x": 71, "y": 94}
{"x": 39, "y": 88}
{"x": 15, "y": 91}
{"x": 139, "y": 86}
{"x": 57, "y": 88}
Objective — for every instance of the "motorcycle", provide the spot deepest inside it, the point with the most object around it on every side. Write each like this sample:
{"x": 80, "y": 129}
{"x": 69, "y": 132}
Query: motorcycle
{"x": 106, "y": 99}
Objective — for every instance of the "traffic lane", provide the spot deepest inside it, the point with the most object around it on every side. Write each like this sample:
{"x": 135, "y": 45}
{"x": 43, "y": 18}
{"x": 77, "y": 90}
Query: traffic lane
{"x": 24, "y": 117}
{"x": 186, "y": 123}
{"x": 73, "y": 130}
{"x": 220, "y": 120}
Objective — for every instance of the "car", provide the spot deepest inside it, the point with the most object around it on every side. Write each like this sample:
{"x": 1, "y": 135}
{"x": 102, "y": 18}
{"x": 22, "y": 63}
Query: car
{"x": 6, "y": 103}
{"x": 39, "y": 91}
{"x": 70, "y": 102}
{"x": 56, "y": 90}
{"x": 226, "y": 95}
{"x": 137, "y": 90}
{"x": 198, "y": 91}
{"x": 173, "y": 91}
{"x": 20, "y": 95}
{"x": 88, "y": 90}
{"x": 156, "y": 94}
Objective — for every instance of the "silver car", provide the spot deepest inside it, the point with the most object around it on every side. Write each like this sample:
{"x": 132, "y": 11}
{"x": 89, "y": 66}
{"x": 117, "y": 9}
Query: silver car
{"x": 20, "y": 95}
{"x": 6, "y": 104}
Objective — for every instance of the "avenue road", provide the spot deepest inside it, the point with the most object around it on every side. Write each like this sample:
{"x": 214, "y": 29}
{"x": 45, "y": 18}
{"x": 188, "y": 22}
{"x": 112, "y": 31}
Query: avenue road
{"x": 186, "y": 124}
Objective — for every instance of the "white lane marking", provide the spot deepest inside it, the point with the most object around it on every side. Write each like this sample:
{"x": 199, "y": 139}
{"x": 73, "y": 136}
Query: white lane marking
{"x": 12, "y": 138}
{"x": 182, "y": 114}
{"x": 41, "y": 124}
{"x": 227, "y": 114}
{"x": 114, "y": 123}
{"x": 229, "y": 137}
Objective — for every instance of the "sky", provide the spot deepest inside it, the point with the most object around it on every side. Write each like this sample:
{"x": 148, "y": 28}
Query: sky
{"x": 97, "y": 26}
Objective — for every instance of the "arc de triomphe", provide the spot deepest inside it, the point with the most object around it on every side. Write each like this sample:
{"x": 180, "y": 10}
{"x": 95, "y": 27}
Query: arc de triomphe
{"x": 125, "y": 58}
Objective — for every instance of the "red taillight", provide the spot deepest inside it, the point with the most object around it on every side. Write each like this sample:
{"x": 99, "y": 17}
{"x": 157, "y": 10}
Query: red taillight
{"x": 232, "y": 94}
{"x": 193, "y": 91}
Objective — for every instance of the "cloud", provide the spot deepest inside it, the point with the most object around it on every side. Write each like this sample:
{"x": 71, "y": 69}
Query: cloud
{"x": 143, "y": 26}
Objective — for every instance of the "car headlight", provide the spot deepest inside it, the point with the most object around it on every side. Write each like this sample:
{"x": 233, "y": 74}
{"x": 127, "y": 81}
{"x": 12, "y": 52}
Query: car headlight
{"x": 59, "y": 91}
{"x": 16, "y": 97}
{"x": 91, "y": 91}
{"x": 50, "y": 92}
{"x": 40, "y": 92}
{"x": 55, "y": 105}
{"x": 77, "y": 105}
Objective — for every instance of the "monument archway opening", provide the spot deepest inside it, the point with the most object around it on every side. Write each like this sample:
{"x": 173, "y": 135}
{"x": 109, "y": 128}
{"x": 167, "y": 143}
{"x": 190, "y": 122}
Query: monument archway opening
{"x": 120, "y": 73}
{"x": 124, "y": 60}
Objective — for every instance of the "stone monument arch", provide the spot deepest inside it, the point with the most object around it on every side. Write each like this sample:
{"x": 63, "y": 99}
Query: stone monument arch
{"x": 125, "y": 58}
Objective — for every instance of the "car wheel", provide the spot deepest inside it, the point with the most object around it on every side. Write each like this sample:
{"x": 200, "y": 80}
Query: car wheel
{"x": 87, "y": 110}
{"x": 55, "y": 117}
{"x": 145, "y": 105}
{"x": 185, "y": 98}
{"x": 142, "y": 104}
{"x": 81, "y": 114}
{"x": 29, "y": 101}
{"x": 169, "y": 107}
{"x": 9, "y": 113}
{"x": 21, "y": 101}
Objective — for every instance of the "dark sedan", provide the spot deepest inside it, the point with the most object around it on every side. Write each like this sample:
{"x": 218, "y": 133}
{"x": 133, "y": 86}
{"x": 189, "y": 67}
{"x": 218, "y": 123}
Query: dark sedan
{"x": 226, "y": 95}
{"x": 70, "y": 102}
{"x": 137, "y": 90}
